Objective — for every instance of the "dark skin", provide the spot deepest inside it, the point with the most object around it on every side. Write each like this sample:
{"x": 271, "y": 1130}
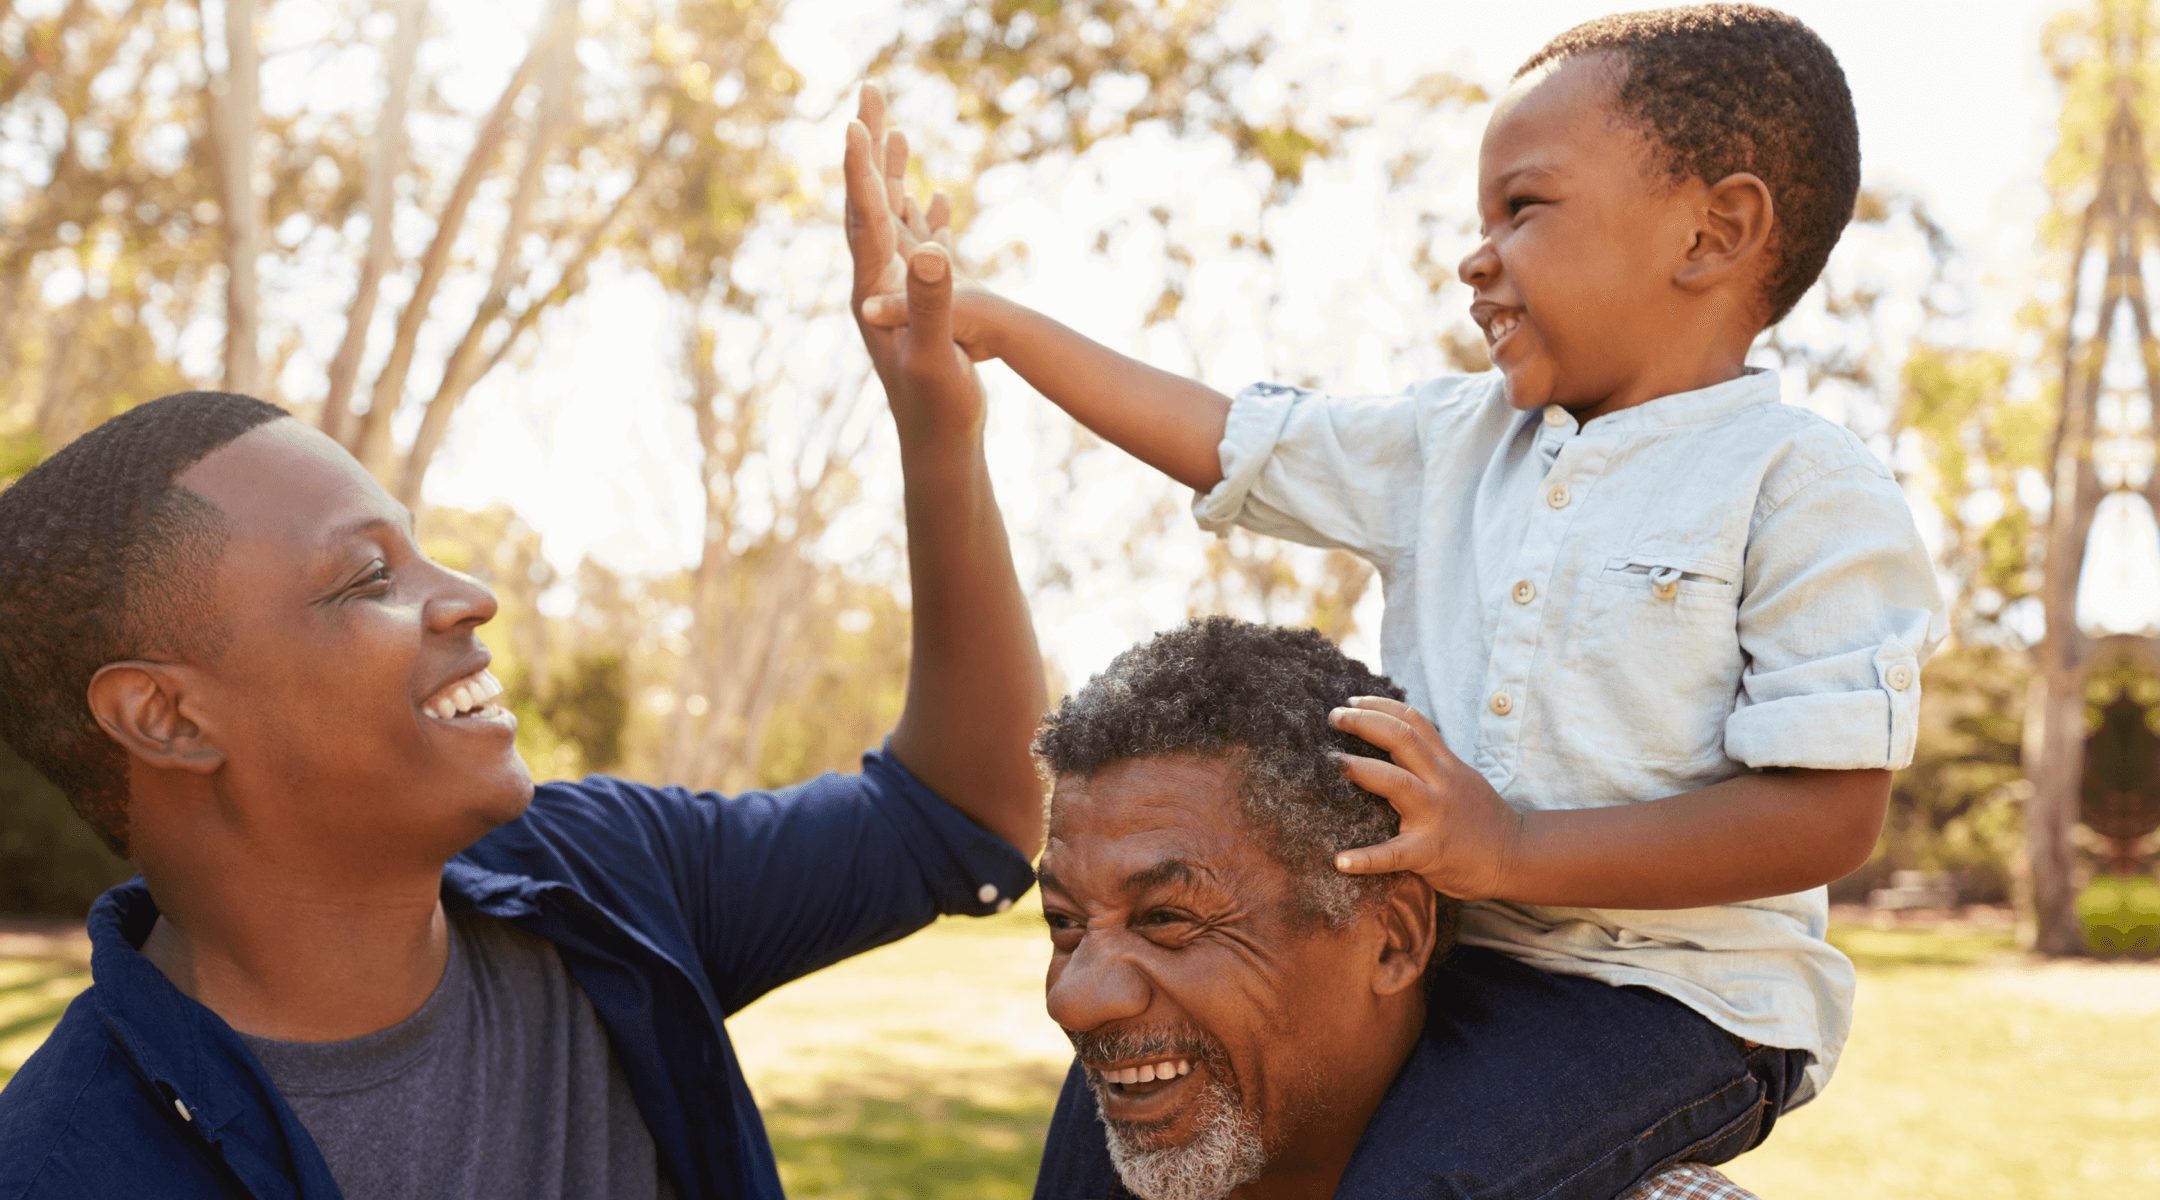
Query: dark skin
{"x": 1601, "y": 284}
{"x": 1166, "y": 916}
{"x": 294, "y": 796}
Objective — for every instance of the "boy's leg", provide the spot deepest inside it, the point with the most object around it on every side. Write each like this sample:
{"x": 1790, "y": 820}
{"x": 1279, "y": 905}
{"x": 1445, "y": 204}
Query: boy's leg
{"x": 1533, "y": 1085}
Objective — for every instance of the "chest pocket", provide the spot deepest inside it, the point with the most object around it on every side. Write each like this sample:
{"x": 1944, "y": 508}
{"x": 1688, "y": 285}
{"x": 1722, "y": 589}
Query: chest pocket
{"x": 1658, "y": 657}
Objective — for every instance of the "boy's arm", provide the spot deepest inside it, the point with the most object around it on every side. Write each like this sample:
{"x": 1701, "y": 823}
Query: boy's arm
{"x": 1764, "y": 834}
{"x": 975, "y": 681}
{"x": 1169, "y": 422}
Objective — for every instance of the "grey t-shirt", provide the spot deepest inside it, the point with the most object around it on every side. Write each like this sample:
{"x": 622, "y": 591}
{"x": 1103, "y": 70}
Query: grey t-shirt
{"x": 502, "y": 1085}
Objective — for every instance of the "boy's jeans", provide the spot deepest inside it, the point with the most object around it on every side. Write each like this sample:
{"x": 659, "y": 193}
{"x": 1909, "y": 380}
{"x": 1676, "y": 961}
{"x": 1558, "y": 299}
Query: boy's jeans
{"x": 1525, "y": 1086}
{"x": 1528, "y": 1084}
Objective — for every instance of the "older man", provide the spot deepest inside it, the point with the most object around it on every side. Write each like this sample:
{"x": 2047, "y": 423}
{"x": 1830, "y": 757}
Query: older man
{"x": 1249, "y": 1021}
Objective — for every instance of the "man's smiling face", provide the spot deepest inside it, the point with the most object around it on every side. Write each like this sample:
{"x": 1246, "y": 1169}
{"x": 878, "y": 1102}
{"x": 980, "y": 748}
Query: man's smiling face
{"x": 351, "y": 698}
{"x": 1573, "y": 277}
{"x": 1214, "y": 1016}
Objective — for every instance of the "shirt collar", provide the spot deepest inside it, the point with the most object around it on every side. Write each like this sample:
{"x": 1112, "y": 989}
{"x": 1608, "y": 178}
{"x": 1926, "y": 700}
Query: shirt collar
{"x": 181, "y": 1048}
{"x": 1755, "y": 386}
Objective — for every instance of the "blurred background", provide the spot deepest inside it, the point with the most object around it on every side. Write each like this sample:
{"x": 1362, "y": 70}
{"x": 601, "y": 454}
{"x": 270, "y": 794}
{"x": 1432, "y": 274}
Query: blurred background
{"x": 568, "y": 276}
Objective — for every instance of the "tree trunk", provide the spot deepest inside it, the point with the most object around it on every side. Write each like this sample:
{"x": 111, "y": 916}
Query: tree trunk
{"x": 236, "y": 113}
{"x": 384, "y": 164}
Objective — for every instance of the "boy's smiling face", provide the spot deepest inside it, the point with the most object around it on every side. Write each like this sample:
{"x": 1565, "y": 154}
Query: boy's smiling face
{"x": 1576, "y": 276}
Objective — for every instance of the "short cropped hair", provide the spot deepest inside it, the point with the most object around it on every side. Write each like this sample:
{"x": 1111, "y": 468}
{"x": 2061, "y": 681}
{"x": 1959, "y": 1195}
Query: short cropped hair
{"x": 1258, "y": 695}
{"x": 104, "y": 557}
{"x": 1725, "y": 88}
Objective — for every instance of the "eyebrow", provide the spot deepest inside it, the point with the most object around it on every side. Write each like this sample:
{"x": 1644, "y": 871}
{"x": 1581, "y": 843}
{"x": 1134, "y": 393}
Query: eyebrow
{"x": 1533, "y": 171}
{"x": 1169, "y": 870}
{"x": 326, "y": 554}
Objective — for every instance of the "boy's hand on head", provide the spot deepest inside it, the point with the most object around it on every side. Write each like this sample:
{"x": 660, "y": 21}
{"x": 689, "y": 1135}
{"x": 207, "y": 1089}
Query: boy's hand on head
{"x": 929, "y": 381}
{"x": 1456, "y": 830}
{"x": 911, "y": 227}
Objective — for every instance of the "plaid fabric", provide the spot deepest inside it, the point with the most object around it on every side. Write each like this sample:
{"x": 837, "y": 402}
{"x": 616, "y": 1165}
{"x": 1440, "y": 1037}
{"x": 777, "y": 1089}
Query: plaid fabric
{"x": 1689, "y": 1181}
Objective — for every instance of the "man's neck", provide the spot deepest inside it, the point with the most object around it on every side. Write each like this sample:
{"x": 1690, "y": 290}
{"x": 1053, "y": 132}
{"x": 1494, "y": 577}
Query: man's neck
{"x": 302, "y": 964}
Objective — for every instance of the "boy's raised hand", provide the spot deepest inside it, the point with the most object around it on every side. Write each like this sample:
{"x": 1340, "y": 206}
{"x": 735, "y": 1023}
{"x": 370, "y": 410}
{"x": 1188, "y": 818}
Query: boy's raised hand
{"x": 1456, "y": 830}
{"x": 911, "y": 227}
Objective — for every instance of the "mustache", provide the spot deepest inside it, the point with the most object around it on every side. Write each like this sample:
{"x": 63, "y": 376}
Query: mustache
{"x": 1094, "y": 1047}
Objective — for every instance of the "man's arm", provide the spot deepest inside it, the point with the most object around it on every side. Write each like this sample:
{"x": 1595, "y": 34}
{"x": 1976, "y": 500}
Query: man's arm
{"x": 975, "y": 681}
{"x": 1169, "y": 422}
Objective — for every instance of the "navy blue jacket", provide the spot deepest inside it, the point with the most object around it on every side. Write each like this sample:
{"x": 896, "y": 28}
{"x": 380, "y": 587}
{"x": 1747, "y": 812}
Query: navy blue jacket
{"x": 672, "y": 909}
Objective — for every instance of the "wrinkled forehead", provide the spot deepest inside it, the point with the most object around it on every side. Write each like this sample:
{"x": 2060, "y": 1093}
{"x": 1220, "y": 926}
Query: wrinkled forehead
{"x": 1123, "y": 825}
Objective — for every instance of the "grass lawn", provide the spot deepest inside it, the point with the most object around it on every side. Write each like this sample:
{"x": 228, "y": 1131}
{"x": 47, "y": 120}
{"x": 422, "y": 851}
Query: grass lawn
{"x": 926, "y": 1070}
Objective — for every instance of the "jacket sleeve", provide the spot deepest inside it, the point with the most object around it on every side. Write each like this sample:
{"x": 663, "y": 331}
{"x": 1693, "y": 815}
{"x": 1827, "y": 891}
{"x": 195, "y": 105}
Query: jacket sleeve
{"x": 782, "y": 883}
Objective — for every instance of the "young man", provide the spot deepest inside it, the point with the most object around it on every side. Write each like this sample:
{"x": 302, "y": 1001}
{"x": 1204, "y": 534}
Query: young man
{"x": 1660, "y": 636}
{"x": 368, "y": 958}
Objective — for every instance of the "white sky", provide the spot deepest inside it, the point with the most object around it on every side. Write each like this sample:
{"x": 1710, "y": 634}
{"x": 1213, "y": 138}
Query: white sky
{"x": 590, "y": 444}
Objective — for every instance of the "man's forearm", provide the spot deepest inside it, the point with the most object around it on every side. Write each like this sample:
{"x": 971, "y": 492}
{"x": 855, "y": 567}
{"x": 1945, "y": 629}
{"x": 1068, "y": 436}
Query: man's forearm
{"x": 1167, "y": 421}
{"x": 1758, "y": 835}
{"x": 975, "y": 679}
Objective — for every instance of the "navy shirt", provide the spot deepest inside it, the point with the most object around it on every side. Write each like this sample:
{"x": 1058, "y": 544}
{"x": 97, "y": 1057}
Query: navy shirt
{"x": 672, "y": 909}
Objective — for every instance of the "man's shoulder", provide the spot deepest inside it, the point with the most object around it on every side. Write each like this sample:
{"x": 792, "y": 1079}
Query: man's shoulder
{"x": 75, "y": 1121}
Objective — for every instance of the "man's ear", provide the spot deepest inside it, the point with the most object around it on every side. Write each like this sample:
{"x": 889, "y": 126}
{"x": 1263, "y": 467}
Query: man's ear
{"x": 144, "y": 707}
{"x": 1409, "y": 924}
{"x": 1736, "y": 217}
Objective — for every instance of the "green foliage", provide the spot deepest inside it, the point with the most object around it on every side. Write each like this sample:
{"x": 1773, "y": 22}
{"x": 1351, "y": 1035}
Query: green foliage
{"x": 51, "y": 864}
{"x": 1979, "y": 442}
{"x": 1958, "y": 806}
{"x": 587, "y": 706}
{"x": 2122, "y": 915}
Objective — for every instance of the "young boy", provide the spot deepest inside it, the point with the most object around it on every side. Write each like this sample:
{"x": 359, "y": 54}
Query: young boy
{"x": 1670, "y": 629}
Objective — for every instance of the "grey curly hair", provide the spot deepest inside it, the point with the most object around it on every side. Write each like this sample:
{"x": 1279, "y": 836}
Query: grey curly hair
{"x": 1259, "y": 695}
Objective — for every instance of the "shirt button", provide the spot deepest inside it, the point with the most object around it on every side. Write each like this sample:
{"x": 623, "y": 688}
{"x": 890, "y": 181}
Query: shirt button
{"x": 1555, "y": 415}
{"x": 1502, "y": 704}
{"x": 986, "y": 893}
{"x": 180, "y": 1106}
{"x": 1557, "y": 497}
{"x": 1525, "y": 592}
{"x": 1898, "y": 677}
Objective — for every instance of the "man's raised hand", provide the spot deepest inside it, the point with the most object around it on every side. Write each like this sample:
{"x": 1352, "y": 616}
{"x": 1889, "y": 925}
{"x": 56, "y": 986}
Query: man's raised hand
{"x": 909, "y": 227}
{"x": 1456, "y": 830}
{"x": 929, "y": 381}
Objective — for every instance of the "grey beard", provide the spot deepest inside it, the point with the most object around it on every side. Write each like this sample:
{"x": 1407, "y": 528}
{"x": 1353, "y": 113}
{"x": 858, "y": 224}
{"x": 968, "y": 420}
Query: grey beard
{"x": 1224, "y": 1154}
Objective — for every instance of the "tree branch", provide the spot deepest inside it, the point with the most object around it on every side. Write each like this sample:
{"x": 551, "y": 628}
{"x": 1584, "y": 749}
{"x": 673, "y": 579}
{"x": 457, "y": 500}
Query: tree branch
{"x": 372, "y": 444}
{"x": 384, "y": 165}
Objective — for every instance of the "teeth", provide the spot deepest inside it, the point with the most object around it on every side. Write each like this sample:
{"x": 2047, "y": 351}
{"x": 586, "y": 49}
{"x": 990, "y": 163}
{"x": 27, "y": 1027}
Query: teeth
{"x": 464, "y": 696}
{"x": 1503, "y": 325}
{"x": 1149, "y": 1072}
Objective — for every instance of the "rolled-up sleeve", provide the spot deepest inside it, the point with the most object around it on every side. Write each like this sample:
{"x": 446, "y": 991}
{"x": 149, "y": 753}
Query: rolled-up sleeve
{"x": 1332, "y": 471}
{"x": 1840, "y": 610}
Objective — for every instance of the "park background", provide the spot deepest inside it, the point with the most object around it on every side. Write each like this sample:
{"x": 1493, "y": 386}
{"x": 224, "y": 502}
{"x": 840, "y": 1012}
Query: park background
{"x": 601, "y": 345}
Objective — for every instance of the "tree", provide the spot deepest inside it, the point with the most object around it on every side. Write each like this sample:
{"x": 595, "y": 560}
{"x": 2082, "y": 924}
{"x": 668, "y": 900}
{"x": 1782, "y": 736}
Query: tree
{"x": 2101, "y": 59}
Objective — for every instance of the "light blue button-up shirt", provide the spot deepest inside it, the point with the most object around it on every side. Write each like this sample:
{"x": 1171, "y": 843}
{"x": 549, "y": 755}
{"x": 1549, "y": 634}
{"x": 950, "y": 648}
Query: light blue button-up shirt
{"x": 1678, "y": 593}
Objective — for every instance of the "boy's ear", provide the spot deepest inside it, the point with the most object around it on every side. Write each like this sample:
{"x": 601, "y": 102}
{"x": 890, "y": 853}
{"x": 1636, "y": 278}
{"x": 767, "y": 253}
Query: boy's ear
{"x": 1409, "y": 923}
{"x": 1736, "y": 217}
{"x": 145, "y": 707}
